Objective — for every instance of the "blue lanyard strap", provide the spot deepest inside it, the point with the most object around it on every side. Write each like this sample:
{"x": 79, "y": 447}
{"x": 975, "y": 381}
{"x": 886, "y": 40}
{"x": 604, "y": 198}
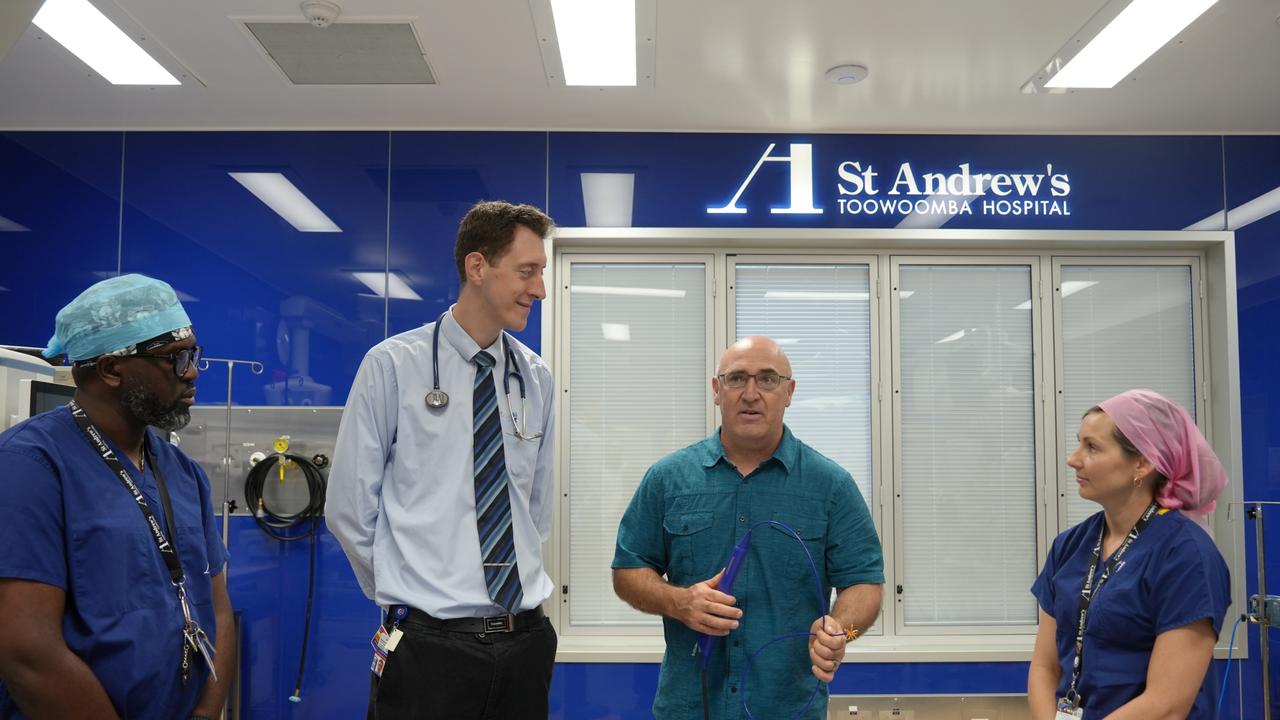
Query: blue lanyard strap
{"x": 1088, "y": 592}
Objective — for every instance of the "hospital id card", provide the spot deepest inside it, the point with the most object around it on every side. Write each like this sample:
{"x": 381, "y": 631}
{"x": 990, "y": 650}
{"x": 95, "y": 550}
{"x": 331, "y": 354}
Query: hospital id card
{"x": 1075, "y": 714}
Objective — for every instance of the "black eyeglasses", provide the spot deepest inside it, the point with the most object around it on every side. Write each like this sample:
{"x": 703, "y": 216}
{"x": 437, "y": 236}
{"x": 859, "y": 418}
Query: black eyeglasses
{"x": 182, "y": 359}
{"x": 767, "y": 380}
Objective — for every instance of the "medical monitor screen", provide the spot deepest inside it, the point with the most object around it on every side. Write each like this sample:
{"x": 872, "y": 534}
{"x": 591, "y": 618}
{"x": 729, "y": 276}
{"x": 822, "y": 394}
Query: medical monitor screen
{"x": 46, "y": 396}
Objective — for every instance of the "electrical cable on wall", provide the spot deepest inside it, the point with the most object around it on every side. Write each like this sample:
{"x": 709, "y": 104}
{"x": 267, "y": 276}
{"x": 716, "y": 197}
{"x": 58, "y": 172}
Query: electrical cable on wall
{"x": 281, "y": 526}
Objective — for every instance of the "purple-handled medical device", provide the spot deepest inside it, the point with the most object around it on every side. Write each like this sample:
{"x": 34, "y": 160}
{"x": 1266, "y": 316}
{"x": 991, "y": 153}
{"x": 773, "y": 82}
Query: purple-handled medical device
{"x": 731, "y": 568}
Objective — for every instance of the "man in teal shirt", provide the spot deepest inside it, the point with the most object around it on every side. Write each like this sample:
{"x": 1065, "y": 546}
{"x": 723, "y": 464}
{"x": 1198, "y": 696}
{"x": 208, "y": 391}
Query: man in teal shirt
{"x": 694, "y": 505}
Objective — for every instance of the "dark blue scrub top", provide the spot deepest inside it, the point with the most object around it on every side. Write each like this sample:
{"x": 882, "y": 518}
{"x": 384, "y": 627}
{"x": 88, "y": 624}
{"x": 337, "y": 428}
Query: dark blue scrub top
{"x": 1172, "y": 576}
{"x": 67, "y": 521}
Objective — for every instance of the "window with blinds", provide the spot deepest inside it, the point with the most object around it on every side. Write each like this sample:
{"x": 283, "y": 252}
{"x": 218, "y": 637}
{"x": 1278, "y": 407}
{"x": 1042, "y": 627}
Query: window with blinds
{"x": 955, "y": 455}
{"x": 966, "y": 443}
{"x": 1119, "y": 327}
{"x": 639, "y": 389}
{"x": 821, "y": 316}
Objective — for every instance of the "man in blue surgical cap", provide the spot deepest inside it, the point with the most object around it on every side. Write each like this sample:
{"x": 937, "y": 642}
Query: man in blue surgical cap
{"x": 113, "y": 603}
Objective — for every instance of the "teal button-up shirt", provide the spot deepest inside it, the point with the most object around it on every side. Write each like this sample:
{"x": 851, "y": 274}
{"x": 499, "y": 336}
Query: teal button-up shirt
{"x": 691, "y": 508}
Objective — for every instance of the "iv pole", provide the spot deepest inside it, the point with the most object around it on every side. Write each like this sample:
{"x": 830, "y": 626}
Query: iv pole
{"x": 232, "y": 708}
{"x": 1259, "y": 613}
{"x": 256, "y": 368}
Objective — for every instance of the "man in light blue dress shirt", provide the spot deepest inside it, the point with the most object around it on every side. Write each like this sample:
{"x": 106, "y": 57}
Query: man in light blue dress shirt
{"x": 443, "y": 509}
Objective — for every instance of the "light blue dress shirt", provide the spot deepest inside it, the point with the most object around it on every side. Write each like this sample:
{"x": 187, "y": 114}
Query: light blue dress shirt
{"x": 401, "y": 496}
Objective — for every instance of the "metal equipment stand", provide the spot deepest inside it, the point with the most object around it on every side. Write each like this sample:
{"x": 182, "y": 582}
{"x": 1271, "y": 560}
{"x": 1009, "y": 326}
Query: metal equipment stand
{"x": 232, "y": 709}
{"x": 227, "y": 503}
{"x": 1259, "y": 613}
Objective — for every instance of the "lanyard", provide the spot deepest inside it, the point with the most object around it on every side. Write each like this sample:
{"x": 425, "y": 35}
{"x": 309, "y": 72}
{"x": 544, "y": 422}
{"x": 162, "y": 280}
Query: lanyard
{"x": 194, "y": 639}
{"x": 1088, "y": 592}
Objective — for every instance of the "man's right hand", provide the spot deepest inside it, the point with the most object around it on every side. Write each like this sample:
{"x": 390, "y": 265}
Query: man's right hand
{"x": 705, "y": 609}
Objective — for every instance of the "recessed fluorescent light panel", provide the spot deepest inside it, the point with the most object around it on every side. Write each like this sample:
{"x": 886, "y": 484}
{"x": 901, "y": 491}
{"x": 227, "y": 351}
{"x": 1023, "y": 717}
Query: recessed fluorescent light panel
{"x": 1119, "y": 38}
{"x": 1071, "y": 287}
{"x": 632, "y": 291}
{"x": 387, "y": 285}
{"x": 287, "y": 200}
{"x": 89, "y": 35}
{"x": 597, "y": 41}
{"x": 7, "y": 225}
{"x": 813, "y": 295}
{"x": 1264, "y": 205}
{"x": 620, "y": 332}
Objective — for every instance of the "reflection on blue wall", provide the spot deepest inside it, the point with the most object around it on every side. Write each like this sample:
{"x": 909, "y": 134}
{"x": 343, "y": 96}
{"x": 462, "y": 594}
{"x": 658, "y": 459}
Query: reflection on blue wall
{"x": 256, "y": 287}
{"x": 1253, "y": 189}
{"x": 435, "y": 179}
{"x": 59, "y": 225}
{"x": 260, "y": 289}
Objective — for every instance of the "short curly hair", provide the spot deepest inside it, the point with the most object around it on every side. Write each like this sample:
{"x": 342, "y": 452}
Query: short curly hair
{"x": 489, "y": 228}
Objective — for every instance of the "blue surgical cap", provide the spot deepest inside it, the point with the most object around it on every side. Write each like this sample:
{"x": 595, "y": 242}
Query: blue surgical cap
{"x": 113, "y": 315}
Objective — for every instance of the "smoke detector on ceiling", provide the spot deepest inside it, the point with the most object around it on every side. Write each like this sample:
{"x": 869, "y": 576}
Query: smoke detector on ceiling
{"x": 321, "y": 13}
{"x": 847, "y": 74}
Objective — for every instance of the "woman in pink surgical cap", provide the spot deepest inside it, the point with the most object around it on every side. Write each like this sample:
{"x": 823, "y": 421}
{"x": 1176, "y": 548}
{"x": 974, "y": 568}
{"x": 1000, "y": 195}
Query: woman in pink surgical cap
{"x": 1132, "y": 599}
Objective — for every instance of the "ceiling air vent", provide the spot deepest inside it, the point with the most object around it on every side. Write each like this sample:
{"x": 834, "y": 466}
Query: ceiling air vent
{"x": 351, "y": 53}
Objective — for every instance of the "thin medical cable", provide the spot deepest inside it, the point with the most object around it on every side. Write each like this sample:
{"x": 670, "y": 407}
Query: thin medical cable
{"x": 822, "y": 605}
{"x": 1227, "y": 673}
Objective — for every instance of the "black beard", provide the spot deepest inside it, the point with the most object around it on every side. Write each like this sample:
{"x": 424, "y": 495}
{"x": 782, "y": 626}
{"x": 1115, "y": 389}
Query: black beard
{"x": 147, "y": 409}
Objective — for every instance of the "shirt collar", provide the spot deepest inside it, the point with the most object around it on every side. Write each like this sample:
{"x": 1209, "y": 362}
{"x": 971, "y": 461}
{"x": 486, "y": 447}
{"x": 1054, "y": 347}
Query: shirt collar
{"x": 455, "y": 337}
{"x": 787, "y": 453}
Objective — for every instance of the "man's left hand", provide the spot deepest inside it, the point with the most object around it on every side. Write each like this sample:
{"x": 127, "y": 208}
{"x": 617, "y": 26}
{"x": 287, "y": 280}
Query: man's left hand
{"x": 826, "y": 647}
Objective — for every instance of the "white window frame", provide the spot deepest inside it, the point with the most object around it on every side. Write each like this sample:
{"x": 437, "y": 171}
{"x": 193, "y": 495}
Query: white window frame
{"x": 563, "y": 373}
{"x": 1032, "y": 263}
{"x": 1217, "y": 343}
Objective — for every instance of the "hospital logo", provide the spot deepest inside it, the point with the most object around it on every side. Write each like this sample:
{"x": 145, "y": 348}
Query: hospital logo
{"x": 926, "y": 196}
{"x": 801, "y": 161}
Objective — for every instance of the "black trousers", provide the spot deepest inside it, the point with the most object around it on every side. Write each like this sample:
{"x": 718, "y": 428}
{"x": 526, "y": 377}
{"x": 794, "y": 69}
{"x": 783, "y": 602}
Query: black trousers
{"x": 444, "y": 675}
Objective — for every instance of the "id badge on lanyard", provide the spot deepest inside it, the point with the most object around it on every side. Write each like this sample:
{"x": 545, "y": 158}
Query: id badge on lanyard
{"x": 1069, "y": 709}
{"x": 194, "y": 639}
{"x": 1069, "y": 705}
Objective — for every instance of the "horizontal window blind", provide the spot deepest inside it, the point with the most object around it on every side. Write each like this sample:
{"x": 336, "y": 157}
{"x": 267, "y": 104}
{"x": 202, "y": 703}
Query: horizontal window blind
{"x": 967, "y": 442}
{"x": 639, "y": 386}
{"x": 821, "y": 316}
{"x": 1122, "y": 327}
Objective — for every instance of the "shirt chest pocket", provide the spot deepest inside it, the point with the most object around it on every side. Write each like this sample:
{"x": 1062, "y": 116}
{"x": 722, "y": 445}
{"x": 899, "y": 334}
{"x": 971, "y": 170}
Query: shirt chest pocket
{"x": 692, "y": 557}
{"x": 522, "y": 458}
{"x": 116, "y": 568}
{"x": 786, "y": 553}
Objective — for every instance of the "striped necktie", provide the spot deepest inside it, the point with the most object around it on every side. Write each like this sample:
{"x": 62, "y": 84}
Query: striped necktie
{"x": 493, "y": 503}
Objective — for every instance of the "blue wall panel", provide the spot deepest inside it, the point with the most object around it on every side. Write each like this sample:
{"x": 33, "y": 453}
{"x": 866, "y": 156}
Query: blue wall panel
{"x": 256, "y": 287}
{"x": 435, "y": 179}
{"x": 1253, "y": 170}
{"x": 59, "y": 225}
{"x": 252, "y": 282}
{"x": 267, "y": 581}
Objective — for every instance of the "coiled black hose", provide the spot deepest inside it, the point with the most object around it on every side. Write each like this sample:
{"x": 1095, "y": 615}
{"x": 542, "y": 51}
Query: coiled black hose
{"x": 281, "y": 527}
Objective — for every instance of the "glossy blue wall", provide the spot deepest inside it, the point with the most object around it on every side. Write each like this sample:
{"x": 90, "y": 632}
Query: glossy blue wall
{"x": 82, "y": 206}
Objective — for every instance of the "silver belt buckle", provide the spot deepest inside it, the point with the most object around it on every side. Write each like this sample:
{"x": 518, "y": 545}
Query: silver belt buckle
{"x": 500, "y": 623}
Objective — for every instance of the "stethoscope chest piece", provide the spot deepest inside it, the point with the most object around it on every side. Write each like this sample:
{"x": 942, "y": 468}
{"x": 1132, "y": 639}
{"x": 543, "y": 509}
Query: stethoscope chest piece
{"x": 437, "y": 399}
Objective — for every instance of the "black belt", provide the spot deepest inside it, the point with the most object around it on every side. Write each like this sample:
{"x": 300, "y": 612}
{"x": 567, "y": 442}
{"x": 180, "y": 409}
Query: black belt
{"x": 494, "y": 624}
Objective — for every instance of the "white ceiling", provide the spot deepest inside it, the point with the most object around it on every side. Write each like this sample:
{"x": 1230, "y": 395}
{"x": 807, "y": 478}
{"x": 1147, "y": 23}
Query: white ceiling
{"x": 722, "y": 65}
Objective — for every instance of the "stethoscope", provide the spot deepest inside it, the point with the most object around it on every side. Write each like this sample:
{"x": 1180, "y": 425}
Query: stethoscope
{"x": 437, "y": 399}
